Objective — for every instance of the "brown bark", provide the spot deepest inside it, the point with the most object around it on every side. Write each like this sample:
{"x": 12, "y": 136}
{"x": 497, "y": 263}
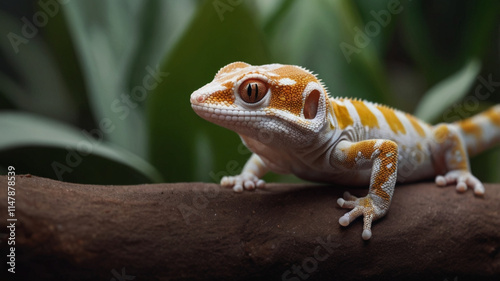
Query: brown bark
{"x": 199, "y": 231}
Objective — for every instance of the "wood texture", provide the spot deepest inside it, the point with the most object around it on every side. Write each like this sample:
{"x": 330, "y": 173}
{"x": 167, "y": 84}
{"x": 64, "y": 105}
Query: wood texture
{"x": 199, "y": 231}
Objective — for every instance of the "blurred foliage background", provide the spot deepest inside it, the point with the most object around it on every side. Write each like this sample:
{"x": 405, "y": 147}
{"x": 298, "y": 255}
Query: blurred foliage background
{"x": 98, "y": 91}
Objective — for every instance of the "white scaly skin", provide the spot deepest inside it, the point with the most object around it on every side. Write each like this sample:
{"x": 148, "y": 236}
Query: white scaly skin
{"x": 284, "y": 115}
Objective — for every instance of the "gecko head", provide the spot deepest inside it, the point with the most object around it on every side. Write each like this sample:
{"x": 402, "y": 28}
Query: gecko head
{"x": 285, "y": 102}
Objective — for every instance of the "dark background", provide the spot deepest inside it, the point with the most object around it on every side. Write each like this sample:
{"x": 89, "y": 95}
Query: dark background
{"x": 74, "y": 105}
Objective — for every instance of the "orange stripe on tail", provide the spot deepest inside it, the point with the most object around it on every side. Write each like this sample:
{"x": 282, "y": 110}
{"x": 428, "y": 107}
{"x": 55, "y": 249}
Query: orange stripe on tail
{"x": 481, "y": 131}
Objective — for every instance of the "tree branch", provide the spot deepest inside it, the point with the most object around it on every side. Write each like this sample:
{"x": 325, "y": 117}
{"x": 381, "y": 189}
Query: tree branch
{"x": 199, "y": 231}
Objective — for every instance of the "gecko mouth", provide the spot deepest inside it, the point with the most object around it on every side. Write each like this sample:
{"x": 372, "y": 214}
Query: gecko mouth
{"x": 227, "y": 115}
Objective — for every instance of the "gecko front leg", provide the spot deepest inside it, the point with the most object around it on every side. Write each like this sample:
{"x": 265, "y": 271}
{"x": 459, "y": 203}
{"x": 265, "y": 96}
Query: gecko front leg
{"x": 381, "y": 156}
{"x": 250, "y": 177}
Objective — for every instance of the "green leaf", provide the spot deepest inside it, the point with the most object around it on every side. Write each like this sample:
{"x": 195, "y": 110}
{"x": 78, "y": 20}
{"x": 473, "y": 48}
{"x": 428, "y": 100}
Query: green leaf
{"x": 99, "y": 30}
{"x": 278, "y": 12}
{"x": 215, "y": 37}
{"x": 160, "y": 24}
{"x": 34, "y": 83}
{"x": 417, "y": 41}
{"x": 381, "y": 16}
{"x": 480, "y": 27}
{"x": 119, "y": 45}
{"x": 367, "y": 64}
{"x": 357, "y": 74}
{"x": 50, "y": 149}
{"x": 441, "y": 36}
{"x": 447, "y": 92}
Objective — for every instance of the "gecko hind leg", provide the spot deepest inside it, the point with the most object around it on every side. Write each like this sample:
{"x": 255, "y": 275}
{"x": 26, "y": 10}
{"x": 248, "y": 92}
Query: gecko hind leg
{"x": 455, "y": 160}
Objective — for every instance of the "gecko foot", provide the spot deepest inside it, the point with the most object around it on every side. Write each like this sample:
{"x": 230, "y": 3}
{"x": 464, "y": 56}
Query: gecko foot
{"x": 360, "y": 206}
{"x": 246, "y": 181}
{"x": 463, "y": 180}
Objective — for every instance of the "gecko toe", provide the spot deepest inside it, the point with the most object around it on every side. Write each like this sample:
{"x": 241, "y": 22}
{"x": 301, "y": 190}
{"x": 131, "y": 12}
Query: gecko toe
{"x": 242, "y": 182}
{"x": 363, "y": 206}
{"x": 476, "y": 185}
{"x": 349, "y": 196}
{"x": 463, "y": 180}
{"x": 261, "y": 184}
{"x": 344, "y": 220}
{"x": 249, "y": 185}
{"x": 227, "y": 181}
{"x": 440, "y": 181}
{"x": 461, "y": 186}
{"x": 341, "y": 202}
{"x": 479, "y": 189}
{"x": 367, "y": 234}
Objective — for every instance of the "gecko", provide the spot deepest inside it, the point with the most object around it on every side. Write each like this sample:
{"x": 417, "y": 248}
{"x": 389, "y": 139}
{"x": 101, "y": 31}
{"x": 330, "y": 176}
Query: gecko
{"x": 286, "y": 117}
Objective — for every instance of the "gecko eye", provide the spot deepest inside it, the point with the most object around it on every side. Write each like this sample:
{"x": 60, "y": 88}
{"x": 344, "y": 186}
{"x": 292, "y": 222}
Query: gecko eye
{"x": 252, "y": 90}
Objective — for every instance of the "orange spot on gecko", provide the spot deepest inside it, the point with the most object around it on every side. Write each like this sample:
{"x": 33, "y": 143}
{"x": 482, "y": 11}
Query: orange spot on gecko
{"x": 419, "y": 146}
{"x": 289, "y": 97}
{"x": 454, "y": 147}
{"x": 441, "y": 134}
{"x": 365, "y": 114}
{"x": 418, "y": 157}
{"x": 341, "y": 114}
{"x": 471, "y": 128}
{"x": 458, "y": 159}
{"x": 363, "y": 149}
{"x": 392, "y": 119}
{"x": 365, "y": 202}
{"x": 493, "y": 115}
{"x": 231, "y": 68}
{"x": 224, "y": 96}
{"x": 332, "y": 126}
{"x": 388, "y": 158}
{"x": 228, "y": 85}
{"x": 416, "y": 124}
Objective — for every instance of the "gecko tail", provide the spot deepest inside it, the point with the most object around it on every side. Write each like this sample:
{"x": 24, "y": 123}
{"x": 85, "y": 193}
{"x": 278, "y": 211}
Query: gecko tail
{"x": 481, "y": 131}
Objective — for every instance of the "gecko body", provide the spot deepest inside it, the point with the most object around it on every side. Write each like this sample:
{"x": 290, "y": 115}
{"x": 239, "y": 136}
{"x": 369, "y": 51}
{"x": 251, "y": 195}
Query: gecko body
{"x": 285, "y": 116}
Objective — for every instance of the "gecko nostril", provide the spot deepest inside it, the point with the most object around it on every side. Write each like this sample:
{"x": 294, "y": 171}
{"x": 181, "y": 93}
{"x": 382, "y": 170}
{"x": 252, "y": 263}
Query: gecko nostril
{"x": 197, "y": 98}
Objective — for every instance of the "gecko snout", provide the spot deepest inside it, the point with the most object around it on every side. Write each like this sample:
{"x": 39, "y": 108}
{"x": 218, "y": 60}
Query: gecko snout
{"x": 197, "y": 98}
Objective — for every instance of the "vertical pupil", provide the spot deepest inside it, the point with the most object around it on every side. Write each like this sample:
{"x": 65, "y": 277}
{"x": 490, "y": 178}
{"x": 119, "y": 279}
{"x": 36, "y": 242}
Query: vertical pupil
{"x": 252, "y": 91}
{"x": 249, "y": 90}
